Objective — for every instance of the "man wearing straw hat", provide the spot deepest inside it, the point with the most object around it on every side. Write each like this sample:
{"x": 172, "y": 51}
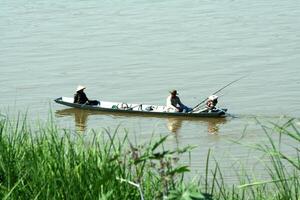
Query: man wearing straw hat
{"x": 81, "y": 98}
{"x": 174, "y": 104}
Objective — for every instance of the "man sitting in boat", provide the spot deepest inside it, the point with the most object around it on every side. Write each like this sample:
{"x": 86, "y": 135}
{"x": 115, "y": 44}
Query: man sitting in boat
{"x": 174, "y": 104}
{"x": 211, "y": 102}
{"x": 81, "y": 98}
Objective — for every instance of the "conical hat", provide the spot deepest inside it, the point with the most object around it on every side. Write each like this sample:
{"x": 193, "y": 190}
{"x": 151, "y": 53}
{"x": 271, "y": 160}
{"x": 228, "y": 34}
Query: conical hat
{"x": 80, "y": 87}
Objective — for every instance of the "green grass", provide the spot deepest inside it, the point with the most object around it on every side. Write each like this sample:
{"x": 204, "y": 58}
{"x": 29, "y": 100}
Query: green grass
{"x": 283, "y": 182}
{"x": 46, "y": 162}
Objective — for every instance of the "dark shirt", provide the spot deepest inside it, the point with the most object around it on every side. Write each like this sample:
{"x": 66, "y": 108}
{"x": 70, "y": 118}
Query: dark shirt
{"x": 80, "y": 98}
{"x": 175, "y": 101}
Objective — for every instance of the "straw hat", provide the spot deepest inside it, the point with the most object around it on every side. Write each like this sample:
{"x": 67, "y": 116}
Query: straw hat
{"x": 80, "y": 87}
{"x": 213, "y": 97}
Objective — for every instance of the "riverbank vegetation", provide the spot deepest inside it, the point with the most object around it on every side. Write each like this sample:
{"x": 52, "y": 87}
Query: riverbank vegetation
{"x": 46, "y": 162}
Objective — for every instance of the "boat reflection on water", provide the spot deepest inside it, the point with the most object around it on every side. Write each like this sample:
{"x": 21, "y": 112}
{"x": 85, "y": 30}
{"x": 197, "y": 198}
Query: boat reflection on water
{"x": 80, "y": 116}
{"x": 174, "y": 124}
{"x": 213, "y": 124}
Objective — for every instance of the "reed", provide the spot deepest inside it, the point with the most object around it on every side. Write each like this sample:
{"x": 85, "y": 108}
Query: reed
{"x": 49, "y": 163}
{"x": 45, "y": 162}
{"x": 283, "y": 170}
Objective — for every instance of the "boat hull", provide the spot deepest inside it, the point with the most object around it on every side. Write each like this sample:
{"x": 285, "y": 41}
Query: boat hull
{"x": 218, "y": 113}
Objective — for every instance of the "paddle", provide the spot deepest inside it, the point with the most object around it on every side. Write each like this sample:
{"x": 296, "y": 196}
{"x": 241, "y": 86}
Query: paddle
{"x": 217, "y": 92}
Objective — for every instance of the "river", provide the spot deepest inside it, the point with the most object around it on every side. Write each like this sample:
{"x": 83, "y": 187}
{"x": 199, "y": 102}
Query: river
{"x": 137, "y": 51}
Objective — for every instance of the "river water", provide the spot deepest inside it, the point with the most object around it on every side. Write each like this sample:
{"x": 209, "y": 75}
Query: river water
{"x": 137, "y": 51}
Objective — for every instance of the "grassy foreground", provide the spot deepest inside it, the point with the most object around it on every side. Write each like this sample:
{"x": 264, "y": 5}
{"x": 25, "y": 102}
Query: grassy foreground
{"x": 50, "y": 163}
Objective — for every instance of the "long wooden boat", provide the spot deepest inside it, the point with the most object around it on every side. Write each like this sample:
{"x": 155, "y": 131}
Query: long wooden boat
{"x": 121, "y": 107}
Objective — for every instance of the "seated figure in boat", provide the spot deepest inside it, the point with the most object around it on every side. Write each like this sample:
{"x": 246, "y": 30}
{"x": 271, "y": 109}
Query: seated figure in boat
{"x": 211, "y": 103}
{"x": 174, "y": 104}
{"x": 81, "y": 98}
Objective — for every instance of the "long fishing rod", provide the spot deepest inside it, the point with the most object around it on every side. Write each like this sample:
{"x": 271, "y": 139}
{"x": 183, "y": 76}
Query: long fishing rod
{"x": 218, "y": 91}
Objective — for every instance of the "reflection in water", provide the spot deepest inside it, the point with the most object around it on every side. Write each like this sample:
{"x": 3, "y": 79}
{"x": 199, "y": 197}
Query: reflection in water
{"x": 213, "y": 124}
{"x": 80, "y": 116}
{"x": 174, "y": 124}
{"x": 81, "y": 121}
